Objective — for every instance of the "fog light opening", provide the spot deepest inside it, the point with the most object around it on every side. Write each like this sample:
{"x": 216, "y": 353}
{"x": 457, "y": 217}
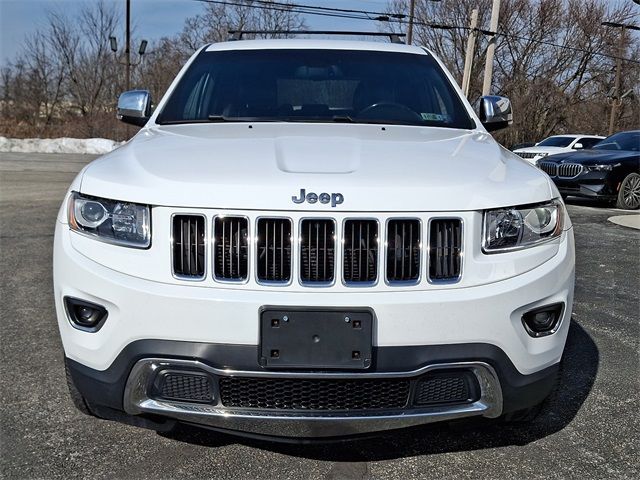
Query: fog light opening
{"x": 85, "y": 315}
{"x": 543, "y": 321}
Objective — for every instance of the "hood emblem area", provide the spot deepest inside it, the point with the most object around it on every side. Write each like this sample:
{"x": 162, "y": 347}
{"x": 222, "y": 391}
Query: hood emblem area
{"x": 334, "y": 199}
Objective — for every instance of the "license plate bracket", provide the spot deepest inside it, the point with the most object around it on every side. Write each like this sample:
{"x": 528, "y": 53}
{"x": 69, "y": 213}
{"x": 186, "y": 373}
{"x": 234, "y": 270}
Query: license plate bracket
{"x": 316, "y": 338}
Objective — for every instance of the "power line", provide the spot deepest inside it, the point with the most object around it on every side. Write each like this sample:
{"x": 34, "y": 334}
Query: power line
{"x": 353, "y": 14}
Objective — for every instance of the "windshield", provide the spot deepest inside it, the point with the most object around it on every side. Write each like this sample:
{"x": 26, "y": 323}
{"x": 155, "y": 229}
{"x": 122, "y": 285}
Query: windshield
{"x": 556, "y": 142}
{"x": 620, "y": 141}
{"x": 316, "y": 86}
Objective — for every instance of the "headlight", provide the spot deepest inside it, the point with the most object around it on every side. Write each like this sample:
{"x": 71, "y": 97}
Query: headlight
{"x": 542, "y": 154}
{"x": 515, "y": 228}
{"x": 600, "y": 168}
{"x": 122, "y": 223}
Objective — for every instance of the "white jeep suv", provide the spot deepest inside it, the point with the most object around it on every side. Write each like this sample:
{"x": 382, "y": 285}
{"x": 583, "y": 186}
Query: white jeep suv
{"x": 314, "y": 239}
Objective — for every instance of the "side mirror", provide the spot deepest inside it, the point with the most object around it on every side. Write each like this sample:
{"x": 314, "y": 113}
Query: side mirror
{"x": 495, "y": 112}
{"x": 134, "y": 107}
{"x": 578, "y": 146}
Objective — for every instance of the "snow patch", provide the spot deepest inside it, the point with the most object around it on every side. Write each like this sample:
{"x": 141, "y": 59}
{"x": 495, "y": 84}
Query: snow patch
{"x": 94, "y": 146}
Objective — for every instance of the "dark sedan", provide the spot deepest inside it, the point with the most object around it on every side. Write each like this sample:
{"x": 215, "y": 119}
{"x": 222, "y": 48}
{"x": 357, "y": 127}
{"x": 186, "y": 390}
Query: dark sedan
{"x": 610, "y": 170}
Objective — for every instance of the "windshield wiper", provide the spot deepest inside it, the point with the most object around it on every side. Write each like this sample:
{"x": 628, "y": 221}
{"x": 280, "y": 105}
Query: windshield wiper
{"x": 222, "y": 118}
{"x": 342, "y": 119}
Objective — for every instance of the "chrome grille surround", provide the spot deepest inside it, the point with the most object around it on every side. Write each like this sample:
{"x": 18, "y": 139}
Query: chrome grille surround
{"x": 561, "y": 170}
{"x": 317, "y": 252}
{"x": 453, "y": 250}
{"x": 177, "y": 240}
{"x": 224, "y": 268}
{"x": 284, "y": 275}
{"x": 569, "y": 170}
{"x": 407, "y": 275}
{"x": 371, "y": 252}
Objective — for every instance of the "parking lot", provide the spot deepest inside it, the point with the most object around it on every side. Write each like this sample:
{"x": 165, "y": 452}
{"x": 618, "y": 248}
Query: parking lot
{"x": 589, "y": 430}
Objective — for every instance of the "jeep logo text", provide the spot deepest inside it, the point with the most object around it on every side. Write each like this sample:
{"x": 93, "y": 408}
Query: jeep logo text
{"x": 332, "y": 198}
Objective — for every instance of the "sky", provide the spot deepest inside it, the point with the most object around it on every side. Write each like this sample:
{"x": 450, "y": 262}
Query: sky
{"x": 151, "y": 18}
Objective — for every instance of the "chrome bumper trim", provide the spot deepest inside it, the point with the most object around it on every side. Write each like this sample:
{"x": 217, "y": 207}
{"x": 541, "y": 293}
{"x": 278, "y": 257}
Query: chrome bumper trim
{"x": 294, "y": 424}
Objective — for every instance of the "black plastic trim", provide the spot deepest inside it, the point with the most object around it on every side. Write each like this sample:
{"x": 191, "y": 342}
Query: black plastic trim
{"x": 70, "y": 302}
{"x": 106, "y": 387}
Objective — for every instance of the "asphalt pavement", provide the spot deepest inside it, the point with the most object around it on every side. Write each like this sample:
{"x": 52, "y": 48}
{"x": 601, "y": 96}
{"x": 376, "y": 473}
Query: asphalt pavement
{"x": 590, "y": 429}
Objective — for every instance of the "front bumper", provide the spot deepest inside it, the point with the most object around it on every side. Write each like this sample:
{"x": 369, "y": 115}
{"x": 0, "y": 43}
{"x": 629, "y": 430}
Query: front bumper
{"x": 126, "y": 386}
{"x": 414, "y": 332}
{"x": 599, "y": 185}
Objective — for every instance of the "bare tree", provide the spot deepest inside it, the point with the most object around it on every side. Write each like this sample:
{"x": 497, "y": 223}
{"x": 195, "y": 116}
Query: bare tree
{"x": 549, "y": 59}
{"x": 212, "y": 25}
{"x": 82, "y": 49}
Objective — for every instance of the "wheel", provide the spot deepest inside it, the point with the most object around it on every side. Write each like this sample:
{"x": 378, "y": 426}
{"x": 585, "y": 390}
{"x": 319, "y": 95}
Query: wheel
{"x": 629, "y": 194}
{"x": 76, "y": 397}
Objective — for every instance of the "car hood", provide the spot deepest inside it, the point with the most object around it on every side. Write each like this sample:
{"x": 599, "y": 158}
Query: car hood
{"x": 263, "y": 165}
{"x": 592, "y": 157}
{"x": 549, "y": 150}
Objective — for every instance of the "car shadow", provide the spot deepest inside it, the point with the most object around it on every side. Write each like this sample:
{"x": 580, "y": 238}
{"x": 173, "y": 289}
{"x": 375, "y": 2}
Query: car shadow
{"x": 581, "y": 360}
{"x": 589, "y": 202}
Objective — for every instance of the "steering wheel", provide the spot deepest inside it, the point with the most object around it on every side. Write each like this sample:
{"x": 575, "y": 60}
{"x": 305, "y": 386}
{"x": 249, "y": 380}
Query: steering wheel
{"x": 389, "y": 111}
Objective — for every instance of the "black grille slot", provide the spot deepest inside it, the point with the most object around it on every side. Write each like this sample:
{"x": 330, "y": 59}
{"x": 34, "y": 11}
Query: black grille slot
{"x": 446, "y": 388}
{"x": 445, "y": 242}
{"x": 403, "y": 250}
{"x": 274, "y": 249}
{"x": 189, "y": 246}
{"x": 360, "y": 262}
{"x": 314, "y": 394}
{"x": 186, "y": 387}
{"x": 231, "y": 247}
{"x": 317, "y": 251}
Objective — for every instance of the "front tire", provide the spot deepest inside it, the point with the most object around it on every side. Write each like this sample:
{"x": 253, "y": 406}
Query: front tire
{"x": 629, "y": 194}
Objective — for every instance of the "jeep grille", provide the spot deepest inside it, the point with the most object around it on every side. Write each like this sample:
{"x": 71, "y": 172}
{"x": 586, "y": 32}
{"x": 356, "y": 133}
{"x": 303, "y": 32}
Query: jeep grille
{"x": 358, "y": 252}
{"x": 403, "y": 250}
{"x": 188, "y": 246}
{"x": 360, "y": 263}
{"x": 231, "y": 246}
{"x": 317, "y": 251}
{"x": 445, "y": 248}
{"x": 274, "y": 250}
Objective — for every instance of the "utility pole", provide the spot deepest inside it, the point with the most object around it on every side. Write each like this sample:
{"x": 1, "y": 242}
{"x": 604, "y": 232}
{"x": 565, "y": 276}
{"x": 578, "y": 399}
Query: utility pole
{"x": 491, "y": 49}
{"x": 412, "y": 11}
{"x": 127, "y": 47}
{"x": 616, "y": 98}
{"x": 468, "y": 59}
{"x": 616, "y": 101}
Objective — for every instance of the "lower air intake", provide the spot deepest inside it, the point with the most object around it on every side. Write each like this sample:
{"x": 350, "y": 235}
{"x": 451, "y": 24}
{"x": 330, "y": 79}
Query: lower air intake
{"x": 446, "y": 388}
{"x": 314, "y": 394}
{"x": 185, "y": 387}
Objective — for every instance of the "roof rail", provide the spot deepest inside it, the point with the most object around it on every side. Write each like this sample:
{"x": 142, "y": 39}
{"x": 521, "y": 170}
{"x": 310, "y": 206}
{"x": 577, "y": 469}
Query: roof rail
{"x": 393, "y": 37}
